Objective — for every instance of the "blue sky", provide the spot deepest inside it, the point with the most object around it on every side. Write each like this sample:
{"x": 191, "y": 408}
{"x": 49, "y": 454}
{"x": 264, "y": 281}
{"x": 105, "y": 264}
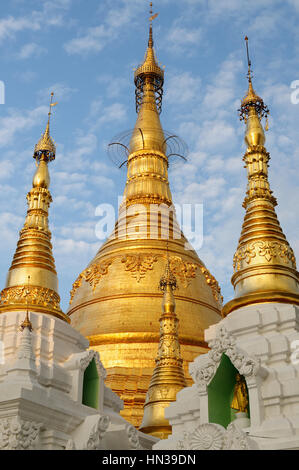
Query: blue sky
{"x": 85, "y": 50}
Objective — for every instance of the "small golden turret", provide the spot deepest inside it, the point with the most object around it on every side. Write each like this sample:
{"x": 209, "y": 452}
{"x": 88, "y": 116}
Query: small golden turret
{"x": 26, "y": 322}
{"x": 168, "y": 377}
{"x": 33, "y": 256}
{"x": 264, "y": 263}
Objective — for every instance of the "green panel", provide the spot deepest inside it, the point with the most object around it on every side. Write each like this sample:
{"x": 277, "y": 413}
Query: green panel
{"x": 220, "y": 393}
{"x": 91, "y": 386}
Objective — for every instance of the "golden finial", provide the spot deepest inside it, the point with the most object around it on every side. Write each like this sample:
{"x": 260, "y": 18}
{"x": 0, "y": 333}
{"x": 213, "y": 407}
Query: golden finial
{"x": 149, "y": 71}
{"x": 168, "y": 278}
{"x": 45, "y": 146}
{"x": 151, "y": 18}
{"x": 248, "y": 60}
{"x": 251, "y": 99}
{"x": 27, "y": 323}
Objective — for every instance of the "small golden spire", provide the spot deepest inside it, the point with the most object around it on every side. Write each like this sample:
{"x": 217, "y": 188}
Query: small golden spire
{"x": 27, "y": 323}
{"x": 264, "y": 263}
{"x": 33, "y": 256}
{"x": 149, "y": 78}
{"x": 45, "y": 148}
{"x": 168, "y": 377}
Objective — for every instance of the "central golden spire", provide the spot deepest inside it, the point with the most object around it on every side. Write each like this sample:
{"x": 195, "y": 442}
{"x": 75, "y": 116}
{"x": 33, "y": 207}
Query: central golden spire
{"x": 168, "y": 377}
{"x": 114, "y": 300}
{"x": 264, "y": 263}
{"x": 33, "y": 257}
{"x": 147, "y": 163}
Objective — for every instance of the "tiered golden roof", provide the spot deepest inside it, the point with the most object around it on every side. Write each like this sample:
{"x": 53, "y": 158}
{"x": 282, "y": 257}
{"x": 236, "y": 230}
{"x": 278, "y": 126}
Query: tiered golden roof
{"x": 168, "y": 377}
{"x": 33, "y": 257}
{"x": 114, "y": 301}
{"x": 264, "y": 263}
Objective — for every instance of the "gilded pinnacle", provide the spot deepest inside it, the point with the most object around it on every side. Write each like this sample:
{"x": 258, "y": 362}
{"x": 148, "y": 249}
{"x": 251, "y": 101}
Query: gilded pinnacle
{"x": 33, "y": 256}
{"x": 27, "y": 323}
{"x": 168, "y": 377}
{"x": 264, "y": 263}
{"x": 251, "y": 99}
{"x": 45, "y": 145}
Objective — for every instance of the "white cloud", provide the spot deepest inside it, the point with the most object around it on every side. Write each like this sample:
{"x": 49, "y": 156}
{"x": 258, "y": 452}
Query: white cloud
{"x": 16, "y": 121}
{"x": 6, "y": 169}
{"x": 10, "y": 26}
{"x": 95, "y": 38}
{"x": 30, "y": 50}
{"x": 182, "y": 88}
{"x": 51, "y": 14}
{"x": 181, "y": 39}
{"x": 62, "y": 92}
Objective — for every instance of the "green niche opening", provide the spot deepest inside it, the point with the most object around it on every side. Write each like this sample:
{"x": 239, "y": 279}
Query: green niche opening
{"x": 91, "y": 386}
{"x": 221, "y": 392}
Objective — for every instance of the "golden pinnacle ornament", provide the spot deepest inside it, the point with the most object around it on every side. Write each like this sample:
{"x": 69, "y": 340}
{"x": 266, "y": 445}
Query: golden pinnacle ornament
{"x": 264, "y": 263}
{"x": 33, "y": 256}
{"x": 168, "y": 377}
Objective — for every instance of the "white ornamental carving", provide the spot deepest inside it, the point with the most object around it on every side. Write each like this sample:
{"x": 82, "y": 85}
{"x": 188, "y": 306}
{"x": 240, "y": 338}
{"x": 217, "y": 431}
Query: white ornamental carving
{"x": 204, "y": 367}
{"x": 97, "y": 433}
{"x": 17, "y": 434}
{"x": 236, "y": 439}
{"x": 133, "y": 437}
{"x": 211, "y": 436}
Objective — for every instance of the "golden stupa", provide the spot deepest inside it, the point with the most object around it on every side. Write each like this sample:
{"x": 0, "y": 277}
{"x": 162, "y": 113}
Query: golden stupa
{"x": 168, "y": 376}
{"x": 115, "y": 301}
{"x": 33, "y": 257}
{"x": 264, "y": 263}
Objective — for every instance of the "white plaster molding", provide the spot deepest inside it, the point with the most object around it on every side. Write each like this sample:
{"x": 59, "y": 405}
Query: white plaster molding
{"x": 211, "y": 436}
{"x": 17, "y": 434}
{"x": 89, "y": 435}
{"x": 83, "y": 359}
{"x": 133, "y": 437}
{"x": 203, "y": 369}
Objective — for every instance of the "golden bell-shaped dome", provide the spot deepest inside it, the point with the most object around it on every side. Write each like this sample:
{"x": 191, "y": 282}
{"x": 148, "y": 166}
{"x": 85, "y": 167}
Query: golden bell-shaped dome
{"x": 114, "y": 301}
{"x": 41, "y": 178}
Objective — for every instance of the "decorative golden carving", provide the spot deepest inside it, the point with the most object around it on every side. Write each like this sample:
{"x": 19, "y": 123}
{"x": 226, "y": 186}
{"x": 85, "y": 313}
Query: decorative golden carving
{"x": 34, "y": 295}
{"x": 138, "y": 265}
{"x": 184, "y": 270}
{"x": 266, "y": 249}
{"x": 211, "y": 281}
{"x": 92, "y": 274}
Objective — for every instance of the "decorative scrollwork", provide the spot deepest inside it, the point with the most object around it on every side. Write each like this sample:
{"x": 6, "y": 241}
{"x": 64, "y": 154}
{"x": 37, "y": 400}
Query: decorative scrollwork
{"x": 211, "y": 281}
{"x": 34, "y": 296}
{"x": 133, "y": 436}
{"x": 138, "y": 265}
{"x": 208, "y": 436}
{"x": 204, "y": 367}
{"x": 211, "y": 436}
{"x": 184, "y": 270}
{"x": 17, "y": 434}
{"x": 267, "y": 249}
{"x": 92, "y": 274}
